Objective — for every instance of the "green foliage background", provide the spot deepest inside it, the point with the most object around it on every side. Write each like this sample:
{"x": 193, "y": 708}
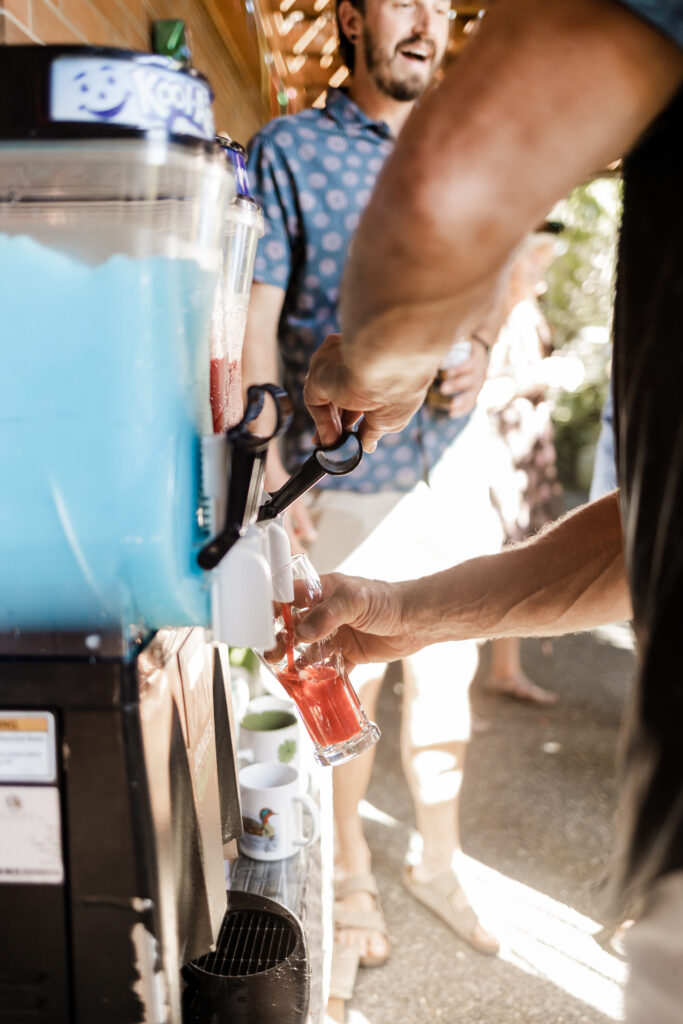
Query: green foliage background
{"x": 578, "y": 305}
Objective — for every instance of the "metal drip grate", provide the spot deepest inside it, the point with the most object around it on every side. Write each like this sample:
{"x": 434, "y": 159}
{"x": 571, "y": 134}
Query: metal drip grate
{"x": 250, "y": 942}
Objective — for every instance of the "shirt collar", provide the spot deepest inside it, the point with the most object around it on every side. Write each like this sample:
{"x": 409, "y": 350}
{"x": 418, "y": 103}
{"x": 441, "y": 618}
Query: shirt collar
{"x": 341, "y": 109}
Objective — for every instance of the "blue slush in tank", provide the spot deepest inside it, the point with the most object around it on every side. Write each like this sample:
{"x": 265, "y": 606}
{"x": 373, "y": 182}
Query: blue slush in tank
{"x": 110, "y": 246}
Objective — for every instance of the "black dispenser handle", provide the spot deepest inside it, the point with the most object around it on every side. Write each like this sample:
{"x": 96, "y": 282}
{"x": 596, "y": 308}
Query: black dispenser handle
{"x": 247, "y": 467}
{"x": 337, "y": 459}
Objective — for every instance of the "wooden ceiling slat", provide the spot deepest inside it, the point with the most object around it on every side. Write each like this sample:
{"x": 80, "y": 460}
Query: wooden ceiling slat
{"x": 315, "y": 38}
{"x": 312, "y": 75}
{"x": 309, "y": 8}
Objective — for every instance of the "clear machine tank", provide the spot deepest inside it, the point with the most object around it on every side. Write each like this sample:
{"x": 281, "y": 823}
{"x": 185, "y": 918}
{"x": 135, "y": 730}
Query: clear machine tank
{"x": 111, "y": 232}
{"x": 116, "y": 750}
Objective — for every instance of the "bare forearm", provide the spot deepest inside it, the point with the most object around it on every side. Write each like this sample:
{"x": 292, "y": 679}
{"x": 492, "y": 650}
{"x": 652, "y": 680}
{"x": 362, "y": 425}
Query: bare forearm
{"x": 260, "y": 349}
{"x": 514, "y": 126}
{"x": 569, "y": 578}
{"x": 566, "y": 579}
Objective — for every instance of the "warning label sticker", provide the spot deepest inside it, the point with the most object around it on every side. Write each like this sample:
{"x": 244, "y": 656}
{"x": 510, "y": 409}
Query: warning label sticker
{"x": 30, "y": 835}
{"x": 27, "y": 746}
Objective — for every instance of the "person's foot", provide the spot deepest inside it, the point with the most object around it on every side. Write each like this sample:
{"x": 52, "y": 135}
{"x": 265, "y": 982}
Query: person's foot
{"x": 520, "y": 686}
{"x": 444, "y": 896}
{"x": 612, "y": 938}
{"x": 359, "y": 921}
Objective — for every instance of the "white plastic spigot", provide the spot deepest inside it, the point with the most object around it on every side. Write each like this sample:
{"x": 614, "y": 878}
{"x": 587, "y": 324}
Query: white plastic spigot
{"x": 242, "y": 595}
{"x": 242, "y": 586}
{"x": 280, "y": 557}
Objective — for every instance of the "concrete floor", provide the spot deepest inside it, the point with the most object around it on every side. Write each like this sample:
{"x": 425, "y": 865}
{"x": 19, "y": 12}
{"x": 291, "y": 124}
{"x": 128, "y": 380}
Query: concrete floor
{"x": 536, "y": 821}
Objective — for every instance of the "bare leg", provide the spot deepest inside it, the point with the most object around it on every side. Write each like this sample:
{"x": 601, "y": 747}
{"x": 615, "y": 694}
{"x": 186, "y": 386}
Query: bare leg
{"x": 344, "y": 521}
{"x": 350, "y": 782}
{"x": 434, "y": 736}
{"x": 506, "y": 674}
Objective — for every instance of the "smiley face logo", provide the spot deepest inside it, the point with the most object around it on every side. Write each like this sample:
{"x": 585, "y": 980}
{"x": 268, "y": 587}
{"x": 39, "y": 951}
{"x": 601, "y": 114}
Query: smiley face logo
{"x": 102, "y": 93}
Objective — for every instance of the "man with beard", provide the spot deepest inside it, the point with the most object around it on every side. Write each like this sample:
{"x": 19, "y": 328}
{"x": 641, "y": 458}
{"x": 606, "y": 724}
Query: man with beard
{"x": 313, "y": 173}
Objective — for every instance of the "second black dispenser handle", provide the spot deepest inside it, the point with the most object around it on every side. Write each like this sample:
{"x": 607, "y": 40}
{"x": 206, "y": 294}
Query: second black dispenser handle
{"x": 336, "y": 460}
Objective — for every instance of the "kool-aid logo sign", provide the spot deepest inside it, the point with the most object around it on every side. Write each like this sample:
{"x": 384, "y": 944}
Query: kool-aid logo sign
{"x": 136, "y": 94}
{"x": 181, "y": 103}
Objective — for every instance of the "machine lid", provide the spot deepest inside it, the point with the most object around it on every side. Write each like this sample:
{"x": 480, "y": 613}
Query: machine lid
{"x": 81, "y": 92}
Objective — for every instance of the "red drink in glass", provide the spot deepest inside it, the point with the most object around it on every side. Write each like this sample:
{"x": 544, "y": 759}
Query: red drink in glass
{"x": 315, "y": 678}
{"x": 326, "y": 701}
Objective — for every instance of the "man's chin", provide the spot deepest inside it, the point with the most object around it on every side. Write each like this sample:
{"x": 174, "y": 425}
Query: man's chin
{"x": 406, "y": 89}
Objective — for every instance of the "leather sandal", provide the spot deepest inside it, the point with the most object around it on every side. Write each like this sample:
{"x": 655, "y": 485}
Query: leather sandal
{"x": 444, "y": 896}
{"x": 361, "y": 920}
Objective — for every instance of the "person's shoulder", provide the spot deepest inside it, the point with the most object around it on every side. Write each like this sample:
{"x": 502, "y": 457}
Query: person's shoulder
{"x": 284, "y": 131}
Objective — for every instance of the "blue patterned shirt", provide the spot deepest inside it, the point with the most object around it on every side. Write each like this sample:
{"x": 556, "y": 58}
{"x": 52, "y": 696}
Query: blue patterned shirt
{"x": 313, "y": 174}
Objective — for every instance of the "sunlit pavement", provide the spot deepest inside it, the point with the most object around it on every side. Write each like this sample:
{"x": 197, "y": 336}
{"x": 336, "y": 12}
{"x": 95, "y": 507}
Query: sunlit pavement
{"x": 537, "y": 824}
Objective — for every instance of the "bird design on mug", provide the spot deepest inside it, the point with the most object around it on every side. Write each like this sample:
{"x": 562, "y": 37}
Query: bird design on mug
{"x": 262, "y": 827}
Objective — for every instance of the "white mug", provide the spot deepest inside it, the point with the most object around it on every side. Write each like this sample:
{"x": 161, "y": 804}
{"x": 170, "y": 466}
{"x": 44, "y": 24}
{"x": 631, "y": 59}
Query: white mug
{"x": 304, "y": 748}
{"x": 269, "y": 734}
{"x": 269, "y": 793}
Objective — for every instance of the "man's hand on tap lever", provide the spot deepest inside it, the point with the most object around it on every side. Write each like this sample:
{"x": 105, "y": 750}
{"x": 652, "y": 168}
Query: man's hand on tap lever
{"x": 337, "y": 396}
